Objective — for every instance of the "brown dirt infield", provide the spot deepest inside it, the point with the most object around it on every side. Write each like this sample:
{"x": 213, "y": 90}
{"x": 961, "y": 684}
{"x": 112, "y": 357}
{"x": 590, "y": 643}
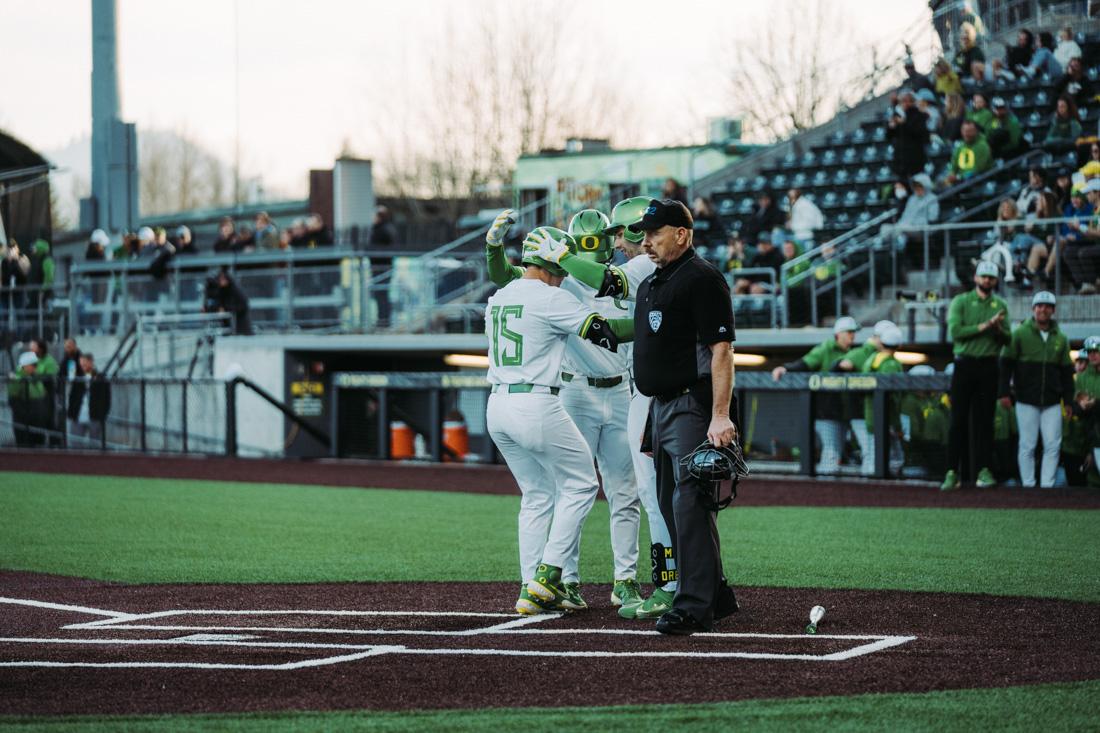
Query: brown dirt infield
{"x": 962, "y": 641}
{"x": 757, "y": 491}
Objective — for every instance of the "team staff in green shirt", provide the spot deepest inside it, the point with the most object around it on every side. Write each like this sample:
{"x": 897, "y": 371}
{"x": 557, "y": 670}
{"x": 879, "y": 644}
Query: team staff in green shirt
{"x": 1088, "y": 398}
{"x": 977, "y": 324}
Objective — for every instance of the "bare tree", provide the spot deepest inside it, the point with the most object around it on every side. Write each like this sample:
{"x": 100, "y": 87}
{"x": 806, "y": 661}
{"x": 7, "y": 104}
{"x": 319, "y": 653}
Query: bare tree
{"x": 178, "y": 174}
{"x": 796, "y": 73}
{"x": 510, "y": 82}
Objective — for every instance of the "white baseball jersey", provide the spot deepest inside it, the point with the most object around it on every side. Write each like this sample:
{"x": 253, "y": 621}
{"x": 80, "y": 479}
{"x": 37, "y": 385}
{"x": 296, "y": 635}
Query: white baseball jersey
{"x": 528, "y": 322}
{"x": 582, "y": 357}
{"x": 637, "y": 269}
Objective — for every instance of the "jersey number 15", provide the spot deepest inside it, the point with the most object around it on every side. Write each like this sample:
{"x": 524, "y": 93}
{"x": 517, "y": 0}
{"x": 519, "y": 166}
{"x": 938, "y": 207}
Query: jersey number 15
{"x": 503, "y": 338}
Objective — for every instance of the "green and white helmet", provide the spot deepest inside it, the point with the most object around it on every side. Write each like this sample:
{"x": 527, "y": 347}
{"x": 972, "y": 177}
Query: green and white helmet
{"x": 589, "y": 230}
{"x": 1092, "y": 343}
{"x": 626, "y": 212}
{"x": 531, "y": 247}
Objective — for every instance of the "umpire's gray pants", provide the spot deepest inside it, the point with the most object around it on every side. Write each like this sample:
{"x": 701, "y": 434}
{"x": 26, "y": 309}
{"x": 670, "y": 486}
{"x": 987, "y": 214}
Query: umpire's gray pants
{"x": 679, "y": 426}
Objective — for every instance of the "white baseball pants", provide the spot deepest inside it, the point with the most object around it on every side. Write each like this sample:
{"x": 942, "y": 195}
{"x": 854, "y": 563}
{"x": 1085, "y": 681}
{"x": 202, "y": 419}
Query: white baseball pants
{"x": 601, "y": 415}
{"x": 831, "y": 435}
{"x": 552, "y": 465}
{"x": 866, "y": 440}
{"x": 1031, "y": 420}
{"x": 646, "y": 475}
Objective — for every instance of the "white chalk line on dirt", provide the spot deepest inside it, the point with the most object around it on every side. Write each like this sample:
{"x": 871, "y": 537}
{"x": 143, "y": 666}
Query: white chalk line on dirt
{"x": 114, "y": 615}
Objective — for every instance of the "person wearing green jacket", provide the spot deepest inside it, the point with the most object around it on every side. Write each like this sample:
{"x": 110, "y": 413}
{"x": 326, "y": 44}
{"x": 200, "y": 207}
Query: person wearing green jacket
{"x": 887, "y": 340}
{"x": 1003, "y": 131}
{"x": 977, "y": 326}
{"x": 27, "y": 397}
{"x": 829, "y": 418}
{"x": 50, "y": 372}
{"x": 971, "y": 157}
{"x": 1036, "y": 367}
{"x": 1088, "y": 399}
{"x": 1075, "y": 434}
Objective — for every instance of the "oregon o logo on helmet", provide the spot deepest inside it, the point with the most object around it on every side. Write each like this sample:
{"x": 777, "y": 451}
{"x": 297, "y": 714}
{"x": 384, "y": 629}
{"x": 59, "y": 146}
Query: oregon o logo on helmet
{"x": 589, "y": 242}
{"x": 651, "y": 210}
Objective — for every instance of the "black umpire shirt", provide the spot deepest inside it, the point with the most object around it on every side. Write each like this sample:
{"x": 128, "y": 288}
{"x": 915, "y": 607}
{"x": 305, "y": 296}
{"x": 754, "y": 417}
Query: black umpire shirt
{"x": 681, "y": 311}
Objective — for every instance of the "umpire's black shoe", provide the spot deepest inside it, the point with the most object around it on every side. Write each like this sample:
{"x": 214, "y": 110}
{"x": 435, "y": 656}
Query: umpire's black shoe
{"x": 679, "y": 623}
{"x": 726, "y": 604}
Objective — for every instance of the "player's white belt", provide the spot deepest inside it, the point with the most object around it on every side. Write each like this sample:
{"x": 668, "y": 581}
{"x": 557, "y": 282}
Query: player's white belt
{"x": 524, "y": 389}
{"x": 597, "y": 382}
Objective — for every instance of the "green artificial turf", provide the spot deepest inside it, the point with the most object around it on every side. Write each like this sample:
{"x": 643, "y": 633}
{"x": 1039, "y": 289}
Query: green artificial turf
{"x": 1062, "y": 707}
{"x": 160, "y": 530}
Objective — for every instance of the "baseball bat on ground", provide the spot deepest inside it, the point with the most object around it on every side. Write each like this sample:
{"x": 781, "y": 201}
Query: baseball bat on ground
{"x": 816, "y": 614}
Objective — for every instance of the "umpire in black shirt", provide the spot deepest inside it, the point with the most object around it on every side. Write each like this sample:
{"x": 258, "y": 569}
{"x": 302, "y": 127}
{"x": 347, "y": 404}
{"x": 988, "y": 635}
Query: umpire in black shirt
{"x": 683, "y": 358}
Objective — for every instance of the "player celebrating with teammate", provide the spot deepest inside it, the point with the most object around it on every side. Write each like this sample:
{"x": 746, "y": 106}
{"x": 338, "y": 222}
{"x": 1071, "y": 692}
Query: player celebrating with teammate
{"x": 528, "y": 323}
{"x": 596, "y": 395}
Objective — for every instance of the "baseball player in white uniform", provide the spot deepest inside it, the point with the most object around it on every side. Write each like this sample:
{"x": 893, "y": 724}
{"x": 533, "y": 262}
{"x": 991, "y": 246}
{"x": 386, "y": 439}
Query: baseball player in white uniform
{"x": 528, "y": 323}
{"x": 621, "y": 283}
{"x": 596, "y": 395}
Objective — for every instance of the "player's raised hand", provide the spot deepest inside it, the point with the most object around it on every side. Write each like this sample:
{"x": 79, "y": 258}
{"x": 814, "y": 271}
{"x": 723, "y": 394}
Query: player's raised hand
{"x": 499, "y": 229}
{"x": 550, "y": 249}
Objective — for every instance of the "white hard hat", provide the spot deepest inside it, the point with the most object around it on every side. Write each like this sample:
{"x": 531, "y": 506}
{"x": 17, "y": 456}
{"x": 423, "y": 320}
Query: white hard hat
{"x": 1042, "y": 297}
{"x": 987, "y": 268}
{"x": 922, "y": 370}
{"x": 27, "y": 358}
{"x": 883, "y": 326}
{"x": 892, "y": 337}
{"x": 145, "y": 234}
{"x": 100, "y": 237}
{"x": 845, "y": 323}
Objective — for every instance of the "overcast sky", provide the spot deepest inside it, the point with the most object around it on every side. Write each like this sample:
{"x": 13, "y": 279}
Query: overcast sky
{"x": 305, "y": 68}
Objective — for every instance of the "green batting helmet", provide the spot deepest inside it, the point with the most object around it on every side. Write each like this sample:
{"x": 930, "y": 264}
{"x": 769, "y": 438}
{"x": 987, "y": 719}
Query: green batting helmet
{"x": 626, "y": 212}
{"x": 530, "y": 248}
{"x": 589, "y": 230}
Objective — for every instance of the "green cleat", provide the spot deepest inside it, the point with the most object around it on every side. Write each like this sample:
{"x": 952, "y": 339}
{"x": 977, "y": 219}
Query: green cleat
{"x": 626, "y": 594}
{"x": 655, "y": 606}
{"x": 528, "y": 605}
{"x": 547, "y": 586}
{"x": 573, "y": 600}
{"x": 985, "y": 479}
{"x": 950, "y": 481}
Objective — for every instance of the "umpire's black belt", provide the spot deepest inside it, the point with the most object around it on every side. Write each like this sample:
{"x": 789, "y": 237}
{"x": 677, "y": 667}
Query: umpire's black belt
{"x": 598, "y": 382}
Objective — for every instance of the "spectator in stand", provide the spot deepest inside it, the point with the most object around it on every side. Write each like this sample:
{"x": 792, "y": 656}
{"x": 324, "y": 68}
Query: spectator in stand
{"x": 736, "y": 255}
{"x": 1028, "y": 200}
{"x": 49, "y": 371}
{"x": 1042, "y": 255}
{"x": 223, "y": 295}
{"x": 971, "y": 157}
{"x": 979, "y": 75}
{"x": 1063, "y": 187}
{"x": 768, "y": 254}
{"x": 805, "y": 218}
{"x": 1075, "y": 84}
{"x": 296, "y": 234}
{"x": 185, "y": 244}
{"x": 1082, "y": 259}
{"x": 946, "y": 80}
{"x": 908, "y": 129}
{"x": 672, "y": 189}
{"x": 227, "y": 237}
{"x": 146, "y": 242}
{"x": 70, "y": 360}
{"x": 316, "y": 232}
{"x": 97, "y": 246}
{"x": 383, "y": 233}
{"x": 1079, "y": 210}
{"x": 27, "y": 398}
{"x": 1091, "y": 169}
{"x": 89, "y": 402}
{"x": 921, "y": 209}
{"x": 14, "y": 268}
{"x": 916, "y": 80}
{"x": 977, "y": 324}
{"x": 1067, "y": 48}
{"x": 1064, "y": 127}
{"x": 42, "y": 272}
{"x": 765, "y": 217}
{"x": 968, "y": 52}
{"x": 1036, "y": 369}
{"x": 928, "y": 104}
{"x": 267, "y": 234}
{"x": 954, "y": 113}
{"x": 970, "y": 16}
{"x": 980, "y": 112}
{"x": 1004, "y": 133}
{"x": 246, "y": 239}
{"x": 1077, "y": 429}
{"x": 1043, "y": 61}
{"x": 1018, "y": 57}
{"x": 708, "y": 230}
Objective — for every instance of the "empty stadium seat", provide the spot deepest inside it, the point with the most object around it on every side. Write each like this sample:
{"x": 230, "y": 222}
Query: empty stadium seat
{"x": 740, "y": 185}
{"x": 790, "y": 160}
{"x": 841, "y": 177}
{"x": 820, "y": 178}
{"x": 849, "y": 155}
{"x": 830, "y": 200}
{"x": 808, "y": 159}
{"x": 863, "y": 175}
{"x": 879, "y": 135}
{"x": 800, "y": 179}
{"x": 779, "y": 181}
{"x": 828, "y": 157}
